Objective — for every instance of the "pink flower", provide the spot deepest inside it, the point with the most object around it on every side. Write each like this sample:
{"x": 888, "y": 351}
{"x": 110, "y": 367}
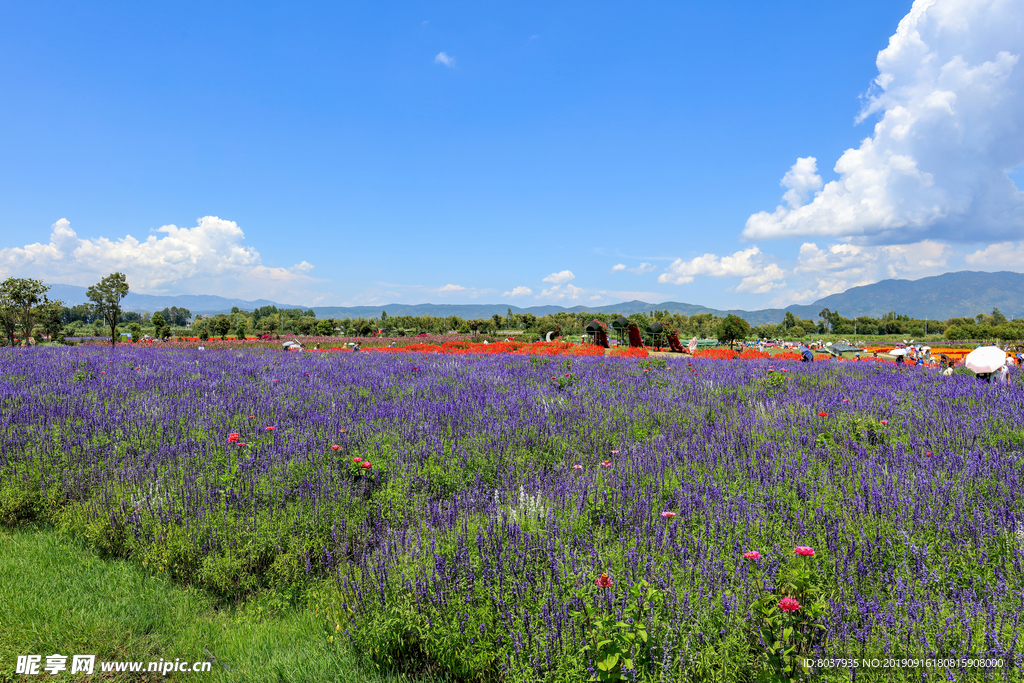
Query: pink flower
{"x": 885, "y": 422}
{"x": 606, "y": 463}
{"x": 567, "y": 374}
{"x": 752, "y": 555}
{"x": 553, "y": 377}
{"x": 357, "y": 460}
{"x": 789, "y": 604}
{"x": 366, "y": 465}
{"x": 822, "y": 414}
{"x": 577, "y": 467}
{"x": 668, "y": 515}
{"x": 804, "y": 550}
{"x": 846, "y": 400}
{"x": 615, "y": 452}
{"x": 335, "y": 447}
{"x": 243, "y": 444}
{"x": 604, "y": 581}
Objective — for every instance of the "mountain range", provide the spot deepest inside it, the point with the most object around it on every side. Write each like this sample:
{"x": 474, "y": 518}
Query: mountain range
{"x": 950, "y": 295}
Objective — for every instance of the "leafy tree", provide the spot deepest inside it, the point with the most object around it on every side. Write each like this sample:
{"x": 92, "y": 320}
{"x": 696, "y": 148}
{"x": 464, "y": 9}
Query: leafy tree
{"x": 789, "y": 321}
{"x": 997, "y": 317}
{"x": 106, "y": 296}
{"x": 51, "y": 317}
{"x": 242, "y": 327}
{"x": 136, "y": 331}
{"x": 732, "y": 328}
{"x": 18, "y": 298}
{"x": 221, "y": 326}
{"x": 325, "y": 328}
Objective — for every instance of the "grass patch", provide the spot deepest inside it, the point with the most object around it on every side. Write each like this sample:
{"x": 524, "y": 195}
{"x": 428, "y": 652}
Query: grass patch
{"x": 58, "y": 596}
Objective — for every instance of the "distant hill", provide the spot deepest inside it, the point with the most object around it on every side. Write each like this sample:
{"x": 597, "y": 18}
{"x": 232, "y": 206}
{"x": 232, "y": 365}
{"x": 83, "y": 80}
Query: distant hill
{"x": 950, "y": 295}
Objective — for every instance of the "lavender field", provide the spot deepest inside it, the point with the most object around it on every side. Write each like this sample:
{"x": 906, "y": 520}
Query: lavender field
{"x": 502, "y": 489}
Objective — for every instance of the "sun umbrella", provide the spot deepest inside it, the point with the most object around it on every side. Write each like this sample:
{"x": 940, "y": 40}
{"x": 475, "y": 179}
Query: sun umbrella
{"x": 985, "y": 359}
{"x": 898, "y": 352}
{"x": 692, "y": 346}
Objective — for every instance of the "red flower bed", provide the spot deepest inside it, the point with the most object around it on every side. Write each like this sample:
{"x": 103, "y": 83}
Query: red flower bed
{"x": 519, "y": 348}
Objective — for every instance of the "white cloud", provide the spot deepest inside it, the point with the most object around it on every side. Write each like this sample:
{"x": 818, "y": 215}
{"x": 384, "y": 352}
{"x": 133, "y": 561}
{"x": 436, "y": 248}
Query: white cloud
{"x": 450, "y": 288}
{"x": 561, "y": 277}
{"x": 758, "y": 277}
{"x": 838, "y": 267}
{"x": 182, "y": 261}
{"x": 997, "y": 256}
{"x": 519, "y": 291}
{"x": 560, "y": 293}
{"x": 950, "y": 96}
{"x": 443, "y": 58}
{"x": 639, "y": 270}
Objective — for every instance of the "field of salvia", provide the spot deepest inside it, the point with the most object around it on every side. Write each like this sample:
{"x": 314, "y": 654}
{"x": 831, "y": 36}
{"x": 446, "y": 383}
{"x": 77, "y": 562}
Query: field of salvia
{"x": 530, "y": 518}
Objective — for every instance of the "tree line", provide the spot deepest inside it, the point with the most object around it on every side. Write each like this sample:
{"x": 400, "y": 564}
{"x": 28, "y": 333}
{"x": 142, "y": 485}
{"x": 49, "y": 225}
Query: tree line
{"x": 27, "y": 311}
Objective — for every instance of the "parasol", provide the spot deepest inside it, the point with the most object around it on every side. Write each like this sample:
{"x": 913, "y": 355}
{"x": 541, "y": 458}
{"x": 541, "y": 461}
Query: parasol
{"x": 985, "y": 359}
{"x": 898, "y": 352}
{"x": 692, "y": 346}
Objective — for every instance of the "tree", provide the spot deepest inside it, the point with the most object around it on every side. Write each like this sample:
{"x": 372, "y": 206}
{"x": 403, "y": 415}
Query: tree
{"x": 136, "y": 331}
{"x": 732, "y": 328}
{"x": 997, "y": 317}
{"x": 106, "y": 296}
{"x": 159, "y": 323}
{"x": 51, "y": 317}
{"x": 221, "y": 326}
{"x": 18, "y": 298}
{"x": 242, "y": 327}
{"x": 325, "y": 328}
{"x": 790, "y": 320}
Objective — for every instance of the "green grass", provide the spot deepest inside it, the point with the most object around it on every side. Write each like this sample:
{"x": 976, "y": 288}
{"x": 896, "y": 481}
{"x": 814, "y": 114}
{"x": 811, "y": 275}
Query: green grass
{"x": 57, "y": 596}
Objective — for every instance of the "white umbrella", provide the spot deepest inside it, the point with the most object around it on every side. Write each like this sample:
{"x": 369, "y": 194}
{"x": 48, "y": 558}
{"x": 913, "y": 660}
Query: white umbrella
{"x": 985, "y": 359}
{"x": 692, "y": 346}
{"x": 898, "y": 352}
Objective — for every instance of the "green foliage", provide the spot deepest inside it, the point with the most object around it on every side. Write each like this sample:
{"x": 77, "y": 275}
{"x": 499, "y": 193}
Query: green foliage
{"x": 616, "y": 646}
{"x": 106, "y": 296}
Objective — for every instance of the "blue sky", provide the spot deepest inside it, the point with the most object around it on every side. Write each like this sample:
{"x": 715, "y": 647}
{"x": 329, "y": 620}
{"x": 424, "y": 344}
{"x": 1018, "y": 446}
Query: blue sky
{"x": 530, "y": 153}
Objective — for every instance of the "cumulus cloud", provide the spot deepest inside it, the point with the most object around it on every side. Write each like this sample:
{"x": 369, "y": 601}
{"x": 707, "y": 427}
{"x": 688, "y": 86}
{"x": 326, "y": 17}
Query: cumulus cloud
{"x": 519, "y": 291}
{"x": 182, "y": 260}
{"x": 560, "y": 293}
{"x": 618, "y": 266}
{"x": 950, "y": 98}
{"x": 443, "y": 58}
{"x": 560, "y": 278}
{"x": 997, "y": 256}
{"x": 450, "y": 288}
{"x": 838, "y": 267}
{"x": 758, "y": 276}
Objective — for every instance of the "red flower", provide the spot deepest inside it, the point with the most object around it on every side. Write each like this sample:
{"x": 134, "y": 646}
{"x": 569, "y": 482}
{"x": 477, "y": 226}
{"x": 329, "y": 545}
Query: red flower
{"x": 243, "y": 444}
{"x": 366, "y": 465}
{"x": 929, "y": 454}
{"x": 752, "y": 555}
{"x": 252, "y": 417}
{"x": 415, "y": 368}
{"x": 270, "y": 429}
{"x": 603, "y": 581}
{"x": 567, "y": 374}
{"x": 804, "y": 550}
{"x": 789, "y": 604}
{"x": 553, "y": 378}
{"x": 885, "y": 422}
{"x": 668, "y": 515}
{"x": 233, "y": 437}
{"x": 357, "y": 459}
{"x": 822, "y": 414}
{"x": 846, "y": 400}
{"x": 335, "y": 447}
